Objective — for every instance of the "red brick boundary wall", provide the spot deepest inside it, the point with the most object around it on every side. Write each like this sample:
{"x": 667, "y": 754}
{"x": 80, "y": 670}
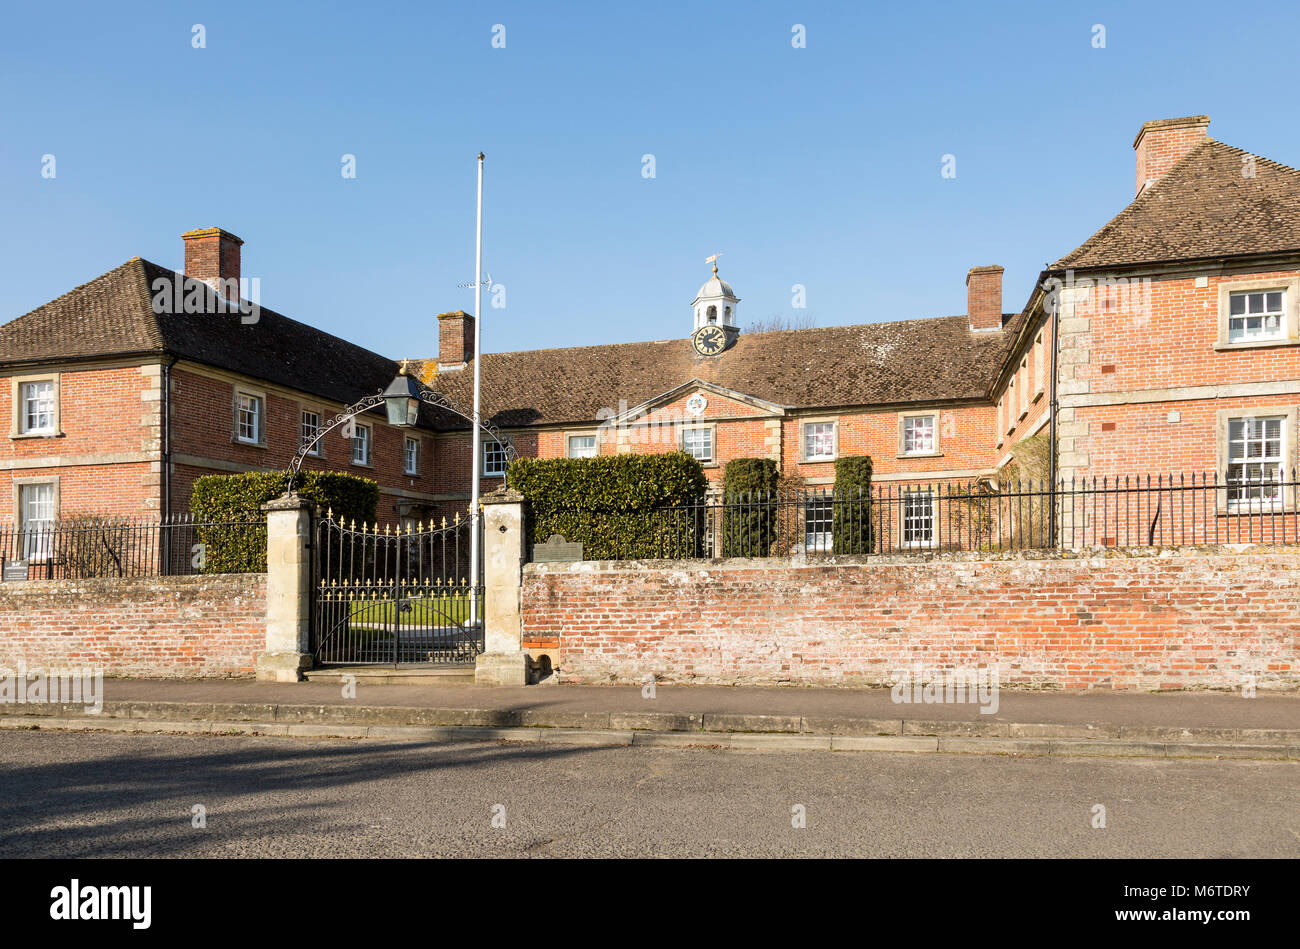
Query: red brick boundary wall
{"x": 181, "y": 627}
{"x": 1192, "y": 618}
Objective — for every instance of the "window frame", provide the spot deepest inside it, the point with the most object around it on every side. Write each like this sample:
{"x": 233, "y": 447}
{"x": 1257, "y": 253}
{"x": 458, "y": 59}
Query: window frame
{"x": 20, "y": 520}
{"x": 1023, "y": 373}
{"x": 713, "y": 442}
{"x": 319, "y": 450}
{"x": 804, "y": 457}
{"x": 905, "y": 496}
{"x": 260, "y": 397}
{"x": 411, "y": 460}
{"x": 1290, "y": 328}
{"x": 568, "y": 444}
{"x": 903, "y": 419}
{"x": 18, "y": 427}
{"x": 483, "y": 460}
{"x": 825, "y": 539}
{"x": 1224, "y": 502}
{"x": 369, "y": 443}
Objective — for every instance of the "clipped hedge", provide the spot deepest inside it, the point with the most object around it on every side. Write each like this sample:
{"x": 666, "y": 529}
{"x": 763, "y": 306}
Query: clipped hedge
{"x": 749, "y": 517}
{"x": 220, "y": 500}
{"x": 851, "y": 528}
{"x": 616, "y": 506}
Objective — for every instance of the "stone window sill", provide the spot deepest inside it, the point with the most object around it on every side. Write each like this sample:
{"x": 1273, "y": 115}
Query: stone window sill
{"x": 24, "y": 435}
{"x": 921, "y": 454}
{"x": 1255, "y": 344}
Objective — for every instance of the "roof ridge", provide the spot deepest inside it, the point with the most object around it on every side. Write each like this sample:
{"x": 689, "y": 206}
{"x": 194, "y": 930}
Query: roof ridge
{"x": 155, "y": 324}
{"x": 262, "y": 309}
{"x": 1202, "y": 175}
{"x": 678, "y": 339}
{"x": 1287, "y": 169}
{"x": 1138, "y": 203}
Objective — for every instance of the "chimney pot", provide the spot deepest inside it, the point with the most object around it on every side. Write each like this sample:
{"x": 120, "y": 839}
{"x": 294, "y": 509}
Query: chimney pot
{"x": 1160, "y": 144}
{"x": 984, "y": 297}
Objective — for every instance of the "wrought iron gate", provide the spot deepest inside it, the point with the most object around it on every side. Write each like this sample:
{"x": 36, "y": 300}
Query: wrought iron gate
{"x": 387, "y": 596}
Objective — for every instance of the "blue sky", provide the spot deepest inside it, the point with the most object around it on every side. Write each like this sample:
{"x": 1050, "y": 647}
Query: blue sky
{"x": 817, "y": 166}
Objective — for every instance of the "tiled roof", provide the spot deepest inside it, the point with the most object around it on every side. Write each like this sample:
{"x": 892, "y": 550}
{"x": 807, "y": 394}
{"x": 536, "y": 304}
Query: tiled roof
{"x": 112, "y": 316}
{"x": 1203, "y": 207}
{"x": 880, "y": 363}
{"x": 873, "y": 364}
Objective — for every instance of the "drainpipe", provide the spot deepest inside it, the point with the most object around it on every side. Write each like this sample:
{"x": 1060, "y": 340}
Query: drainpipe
{"x": 166, "y": 436}
{"x": 1052, "y": 410}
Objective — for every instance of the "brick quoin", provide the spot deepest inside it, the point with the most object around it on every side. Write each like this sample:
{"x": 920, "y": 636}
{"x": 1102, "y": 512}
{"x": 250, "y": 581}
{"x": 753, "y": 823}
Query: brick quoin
{"x": 1190, "y": 620}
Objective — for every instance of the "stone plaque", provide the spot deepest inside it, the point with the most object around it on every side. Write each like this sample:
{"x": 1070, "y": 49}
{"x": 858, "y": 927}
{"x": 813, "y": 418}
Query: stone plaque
{"x": 556, "y": 550}
{"x": 17, "y": 569}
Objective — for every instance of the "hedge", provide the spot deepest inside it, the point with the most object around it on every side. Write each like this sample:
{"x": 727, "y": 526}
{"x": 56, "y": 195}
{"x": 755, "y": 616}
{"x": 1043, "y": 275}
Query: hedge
{"x": 851, "y": 525}
{"x": 220, "y": 500}
{"x": 750, "y": 515}
{"x": 616, "y": 506}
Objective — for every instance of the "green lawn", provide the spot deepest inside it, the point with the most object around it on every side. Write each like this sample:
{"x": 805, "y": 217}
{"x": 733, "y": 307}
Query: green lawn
{"x": 440, "y": 610}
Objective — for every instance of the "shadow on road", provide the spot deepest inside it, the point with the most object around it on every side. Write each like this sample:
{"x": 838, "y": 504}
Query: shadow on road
{"x": 59, "y": 808}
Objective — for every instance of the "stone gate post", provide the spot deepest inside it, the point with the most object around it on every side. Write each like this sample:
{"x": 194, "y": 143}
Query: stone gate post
{"x": 288, "y": 589}
{"x": 503, "y": 661}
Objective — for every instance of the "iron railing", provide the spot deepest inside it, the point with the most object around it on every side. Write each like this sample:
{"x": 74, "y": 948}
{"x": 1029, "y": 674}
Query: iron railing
{"x": 80, "y": 547}
{"x": 902, "y": 518}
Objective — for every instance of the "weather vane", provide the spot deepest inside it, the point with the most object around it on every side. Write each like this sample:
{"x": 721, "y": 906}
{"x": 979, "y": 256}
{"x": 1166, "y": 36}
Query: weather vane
{"x": 713, "y": 259}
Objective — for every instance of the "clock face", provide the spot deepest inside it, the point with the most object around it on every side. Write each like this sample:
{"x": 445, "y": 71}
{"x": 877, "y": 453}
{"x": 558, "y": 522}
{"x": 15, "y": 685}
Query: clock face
{"x": 709, "y": 340}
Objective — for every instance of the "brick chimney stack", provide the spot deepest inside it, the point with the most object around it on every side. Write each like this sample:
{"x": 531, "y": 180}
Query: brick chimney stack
{"x": 212, "y": 255}
{"x": 1160, "y": 144}
{"x": 455, "y": 340}
{"x": 984, "y": 297}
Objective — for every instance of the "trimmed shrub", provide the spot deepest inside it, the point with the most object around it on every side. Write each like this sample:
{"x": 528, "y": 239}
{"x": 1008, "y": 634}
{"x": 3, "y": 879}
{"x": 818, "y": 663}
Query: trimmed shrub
{"x": 221, "y": 500}
{"x": 851, "y": 523}
{"x": 749, "y": 518}
{"x": 616, "y": 506}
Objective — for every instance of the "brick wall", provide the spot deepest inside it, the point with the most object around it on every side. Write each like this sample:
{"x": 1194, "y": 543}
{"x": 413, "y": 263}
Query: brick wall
{"x": 1192, "y": 618}
{"x": 103, "y": 456}
{"x": 203, "y": 428}
{"x": 1142, "y": 374}
{"x": 172, "y": 627}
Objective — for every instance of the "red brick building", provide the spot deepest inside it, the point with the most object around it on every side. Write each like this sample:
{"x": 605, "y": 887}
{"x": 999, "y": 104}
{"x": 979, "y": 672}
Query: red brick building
{"x": 1179, "y": 351}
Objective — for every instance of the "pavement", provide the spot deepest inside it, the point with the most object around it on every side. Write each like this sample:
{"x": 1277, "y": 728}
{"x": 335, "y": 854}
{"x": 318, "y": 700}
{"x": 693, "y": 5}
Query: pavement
{"x": 1170, "y": 724}
{"x": 111, "y": 795}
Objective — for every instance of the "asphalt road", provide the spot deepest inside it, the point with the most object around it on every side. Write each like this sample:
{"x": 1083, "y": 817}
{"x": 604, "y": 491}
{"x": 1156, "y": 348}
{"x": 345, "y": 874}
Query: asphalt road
{"x": 87, "y": 794}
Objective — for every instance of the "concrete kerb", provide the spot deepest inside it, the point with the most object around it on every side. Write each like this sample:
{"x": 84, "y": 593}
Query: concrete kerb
{"x": 659, "y": 729}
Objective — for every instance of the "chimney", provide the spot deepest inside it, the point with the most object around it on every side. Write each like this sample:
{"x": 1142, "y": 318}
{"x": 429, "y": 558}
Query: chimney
{"x": 455, "y": 340}
{"x": 1160, "y": 144}
{"x": 984, "y": 297}
{"x": 212, "y": 255}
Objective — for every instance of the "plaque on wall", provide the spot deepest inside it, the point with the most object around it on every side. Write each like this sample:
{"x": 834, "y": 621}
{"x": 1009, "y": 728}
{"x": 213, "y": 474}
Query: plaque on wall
{"x": 556, "y": 550}
{"x": 14, "y": 570}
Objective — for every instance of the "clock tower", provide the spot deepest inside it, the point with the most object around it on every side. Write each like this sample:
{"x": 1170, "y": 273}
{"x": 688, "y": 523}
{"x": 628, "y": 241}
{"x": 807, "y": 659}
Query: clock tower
{"x": 715, "y": 315}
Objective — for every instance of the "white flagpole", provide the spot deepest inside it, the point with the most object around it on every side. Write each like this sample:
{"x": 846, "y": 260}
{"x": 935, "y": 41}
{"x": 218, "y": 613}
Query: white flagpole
{"x": 476, "y": 457}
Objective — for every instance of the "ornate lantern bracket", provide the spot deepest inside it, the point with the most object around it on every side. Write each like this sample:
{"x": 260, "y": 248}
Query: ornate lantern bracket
{"x": 365, "y": 404}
